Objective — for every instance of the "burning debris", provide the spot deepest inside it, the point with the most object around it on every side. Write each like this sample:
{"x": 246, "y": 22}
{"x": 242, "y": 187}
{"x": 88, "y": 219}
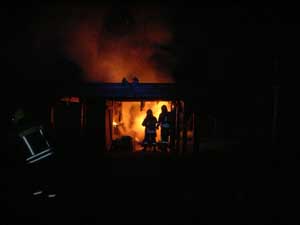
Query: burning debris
{"x": 129, "y": 115}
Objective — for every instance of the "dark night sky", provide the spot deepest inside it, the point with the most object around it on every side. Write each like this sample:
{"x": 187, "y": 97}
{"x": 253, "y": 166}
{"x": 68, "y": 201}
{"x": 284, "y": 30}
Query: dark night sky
{"x": 225, "y": 43}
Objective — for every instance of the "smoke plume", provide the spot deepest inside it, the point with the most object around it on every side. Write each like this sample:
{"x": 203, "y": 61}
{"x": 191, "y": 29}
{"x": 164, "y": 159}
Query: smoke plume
{"x": 112, "y": 42}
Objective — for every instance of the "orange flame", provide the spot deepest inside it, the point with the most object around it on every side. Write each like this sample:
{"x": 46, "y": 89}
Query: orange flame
{"x": 133, "y": 116}
{"x": 109, "y": 45}
{"x": 106, "y": 55}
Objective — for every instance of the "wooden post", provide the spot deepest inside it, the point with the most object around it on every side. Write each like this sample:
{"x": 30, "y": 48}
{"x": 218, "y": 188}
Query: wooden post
{"x": 184, "y": 134}
{"x": 275, "y": 113}
{"x": 196, "y": 133}
{"x": 178, "y": 109}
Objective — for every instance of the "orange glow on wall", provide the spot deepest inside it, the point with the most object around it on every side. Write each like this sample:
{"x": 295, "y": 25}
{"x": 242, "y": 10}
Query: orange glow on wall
{"x": 70, "y": 99}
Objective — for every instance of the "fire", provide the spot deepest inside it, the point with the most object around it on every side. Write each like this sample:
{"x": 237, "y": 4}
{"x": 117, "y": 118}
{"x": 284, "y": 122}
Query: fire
{"x": 125, "y": 50}
{"x": 133, "y": 115}
{"x": 110, "y": 43}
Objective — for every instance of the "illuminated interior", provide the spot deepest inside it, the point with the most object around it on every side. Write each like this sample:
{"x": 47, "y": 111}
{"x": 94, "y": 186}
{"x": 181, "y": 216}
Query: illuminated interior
{"x": 126, "y": 117}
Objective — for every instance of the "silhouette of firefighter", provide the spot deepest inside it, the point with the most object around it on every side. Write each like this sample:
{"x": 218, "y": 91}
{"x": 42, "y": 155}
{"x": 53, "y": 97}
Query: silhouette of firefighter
{"x": 32, "y": 148}
{"x": 164, "y": 122}
{"x": 150, "y": 130}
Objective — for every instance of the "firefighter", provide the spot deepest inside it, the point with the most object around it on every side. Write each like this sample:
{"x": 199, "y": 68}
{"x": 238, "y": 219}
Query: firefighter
{"x": 150, "y": 130}
{"x": 164, "y": 122}
{"x": 32, "y": 146}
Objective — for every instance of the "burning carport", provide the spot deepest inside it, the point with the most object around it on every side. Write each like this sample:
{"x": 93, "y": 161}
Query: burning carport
{"x": 105, "y": 114}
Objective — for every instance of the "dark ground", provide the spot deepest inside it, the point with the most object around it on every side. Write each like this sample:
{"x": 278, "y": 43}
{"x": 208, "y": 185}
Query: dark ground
{"x": 243, "y": 185}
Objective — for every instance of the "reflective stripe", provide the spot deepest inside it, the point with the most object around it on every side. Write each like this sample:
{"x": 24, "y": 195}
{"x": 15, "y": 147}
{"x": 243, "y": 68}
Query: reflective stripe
{"x": 145, "y": 143}
{"x": 44, "y": 156}
{"x": 30, "y": 131}
{"x": 151, "y": 131}
{"x": 51, "y": 195}
{"x": 37, "y": 192}
{"x": 164, "y": 142}
{"x": 28, "y": 145}
{"x": 36, "y": 155}
{"x": 165, "y": 125}
{"x": 42, "y": 133}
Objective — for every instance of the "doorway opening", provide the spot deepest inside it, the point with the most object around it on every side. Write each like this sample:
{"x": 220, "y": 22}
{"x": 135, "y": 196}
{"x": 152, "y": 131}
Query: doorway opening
{"x": 124, "y": 130}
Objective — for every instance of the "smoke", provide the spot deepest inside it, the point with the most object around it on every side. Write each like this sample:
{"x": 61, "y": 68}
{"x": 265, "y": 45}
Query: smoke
{"x": 110, "y": 42}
